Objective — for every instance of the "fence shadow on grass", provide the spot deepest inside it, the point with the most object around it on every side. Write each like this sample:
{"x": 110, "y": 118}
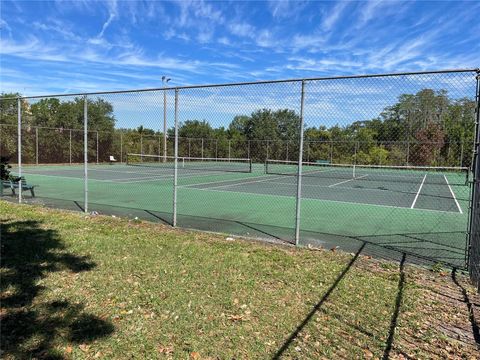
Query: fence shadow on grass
{"x": 471, "y": 308}
{"x": 31, "y": 326}
{"x": 317, "y": 307}
{"x": 396, "y": 311}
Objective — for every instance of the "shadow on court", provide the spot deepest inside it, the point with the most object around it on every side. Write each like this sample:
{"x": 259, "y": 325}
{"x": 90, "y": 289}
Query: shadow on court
{"x": 31, "y": 326}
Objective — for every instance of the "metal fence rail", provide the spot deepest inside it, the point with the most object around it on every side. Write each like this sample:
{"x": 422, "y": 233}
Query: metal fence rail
{"x": 380, "y": 160}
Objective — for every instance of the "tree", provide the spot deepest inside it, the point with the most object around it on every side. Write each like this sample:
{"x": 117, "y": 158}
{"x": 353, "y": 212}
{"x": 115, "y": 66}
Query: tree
{"x": 430, "y": 140}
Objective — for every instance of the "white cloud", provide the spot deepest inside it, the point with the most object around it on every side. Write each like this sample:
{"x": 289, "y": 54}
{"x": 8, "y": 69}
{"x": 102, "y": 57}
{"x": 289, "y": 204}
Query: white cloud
{"x": 332, "y": 18}
{"x": 282, "y": 9}
{"x": 242, "y": 29}
{"x": 5, "y": 27}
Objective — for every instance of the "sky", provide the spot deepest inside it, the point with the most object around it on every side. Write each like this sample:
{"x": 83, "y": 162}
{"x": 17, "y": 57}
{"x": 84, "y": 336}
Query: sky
{"x": 86, "y": 46}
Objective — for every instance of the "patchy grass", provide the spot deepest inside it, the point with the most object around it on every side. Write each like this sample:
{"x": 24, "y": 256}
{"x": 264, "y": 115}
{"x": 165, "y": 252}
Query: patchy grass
{"x": 75, "y": 286}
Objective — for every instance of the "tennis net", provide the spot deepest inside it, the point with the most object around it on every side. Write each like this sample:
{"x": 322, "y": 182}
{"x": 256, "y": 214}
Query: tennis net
{"x": 381, "y": 173}
{"x": 191, "y": 163}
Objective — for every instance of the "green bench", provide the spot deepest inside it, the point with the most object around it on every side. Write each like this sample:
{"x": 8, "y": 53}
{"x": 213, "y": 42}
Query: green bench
{"x": 322, "y": 162}
{"x": 15, "y": 184}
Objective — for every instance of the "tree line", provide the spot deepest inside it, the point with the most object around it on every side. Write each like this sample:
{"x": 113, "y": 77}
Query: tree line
{"x": 426, "y": 128}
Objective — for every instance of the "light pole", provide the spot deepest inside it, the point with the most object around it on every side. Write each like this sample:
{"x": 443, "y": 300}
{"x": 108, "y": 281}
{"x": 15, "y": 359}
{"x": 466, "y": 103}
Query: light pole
{"x": 165, "y": 81}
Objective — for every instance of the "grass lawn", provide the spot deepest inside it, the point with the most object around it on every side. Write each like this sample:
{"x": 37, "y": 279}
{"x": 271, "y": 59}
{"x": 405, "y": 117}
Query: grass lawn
{"x": 76, "y": 286}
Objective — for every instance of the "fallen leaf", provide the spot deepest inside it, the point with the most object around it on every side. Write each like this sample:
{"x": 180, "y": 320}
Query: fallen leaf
{"x": 368, "y": 353}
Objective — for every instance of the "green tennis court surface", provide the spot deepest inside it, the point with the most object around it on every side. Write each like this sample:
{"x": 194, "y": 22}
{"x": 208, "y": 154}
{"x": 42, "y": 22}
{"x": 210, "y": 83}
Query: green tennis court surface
{"x": 424, "y": 212}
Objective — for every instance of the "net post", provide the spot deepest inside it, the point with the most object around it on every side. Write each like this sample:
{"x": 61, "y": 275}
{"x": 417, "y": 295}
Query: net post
{"x": 175, "y": 169}
{"x": 36, "y": 145}
{"x": 299, "y": 175}
{"x": 85, "y": 153}
{"x": 19, "y": 146}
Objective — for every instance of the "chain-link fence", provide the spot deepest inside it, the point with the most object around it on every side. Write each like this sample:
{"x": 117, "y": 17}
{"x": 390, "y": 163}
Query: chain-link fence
{"x": 382, "y": 160}
{"x": 474, "y": 230}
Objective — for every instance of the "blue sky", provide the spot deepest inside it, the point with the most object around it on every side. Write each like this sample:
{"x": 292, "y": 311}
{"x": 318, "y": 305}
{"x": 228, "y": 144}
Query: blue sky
{"x": 76, "y": 46}
{"x": 114, "y": 45}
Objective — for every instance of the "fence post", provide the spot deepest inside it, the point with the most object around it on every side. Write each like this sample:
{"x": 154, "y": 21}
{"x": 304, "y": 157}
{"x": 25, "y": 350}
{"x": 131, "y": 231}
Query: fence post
{"x": 121, "y": 147}
{"x": 229, "y": 149}
{"x": 36, "y": 145}
{"x": 85, "y": 154}
{"x": 175, "y": 168}
{"x": 299, "y": 175}
{"x": 165, "y": 125}
{"x": 331, "y": 151}
{"x": 248, "y": 149}
{"x": 19, "y": 146}
{"x": 202, "y": 148}
{"x": 70, "y": 147}
{"x": 216, "y": 149}
{"x": 97, "y": 147}
{"x": 461, "y": 153}
{"x": 286, "y": 156}
{"x": 473, "y": 244}
{"x": 189, "y": 146}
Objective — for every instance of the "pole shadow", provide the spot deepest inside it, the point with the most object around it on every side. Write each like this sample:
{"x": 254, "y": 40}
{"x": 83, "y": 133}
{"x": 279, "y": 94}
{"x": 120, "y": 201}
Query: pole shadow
{"x": 317, "y": 307}
{"x": 396, "y": 312}
{"x": 470, "y": 306}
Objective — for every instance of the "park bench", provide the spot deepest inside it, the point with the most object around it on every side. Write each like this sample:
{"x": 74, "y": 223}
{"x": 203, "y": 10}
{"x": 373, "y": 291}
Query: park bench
{"x": 25, "y": 187}
{"x": 5, "y": 184}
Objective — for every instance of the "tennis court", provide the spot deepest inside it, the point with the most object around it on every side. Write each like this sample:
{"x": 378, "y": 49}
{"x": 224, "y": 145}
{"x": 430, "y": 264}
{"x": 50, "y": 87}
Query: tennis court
{"x": 419, "y": 210}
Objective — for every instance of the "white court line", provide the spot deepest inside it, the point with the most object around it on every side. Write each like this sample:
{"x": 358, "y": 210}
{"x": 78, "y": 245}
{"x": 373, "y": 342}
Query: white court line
{"x": 154, "y": 171}
{"x": 245, "y": 182}
{"x": 66, "y": 177}
{"x": 343, "y": 182}
{"x": 138, "y": 180}
{"x": 321, "y": 200}
{"x": 453, "y": 194}
{"x": 266, "y": 176}
{"x": 224, "y": 181}
{"x": 418, "y": 192}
